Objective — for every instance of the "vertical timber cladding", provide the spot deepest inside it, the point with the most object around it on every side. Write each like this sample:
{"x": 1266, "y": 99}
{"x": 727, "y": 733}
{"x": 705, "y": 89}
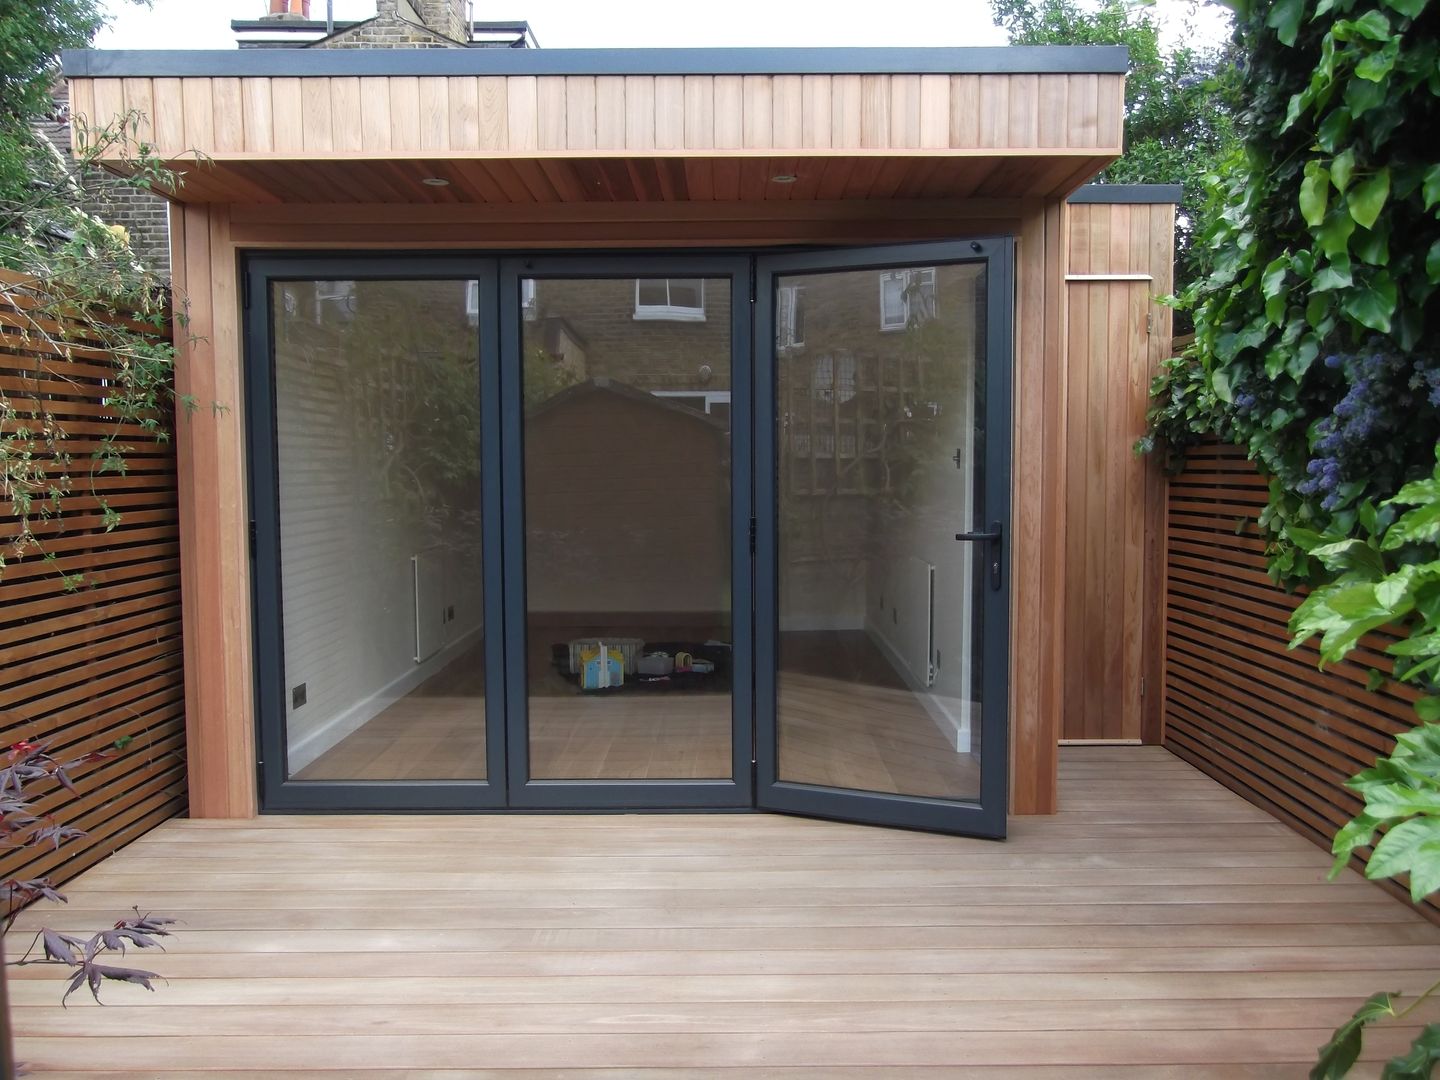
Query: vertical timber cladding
{"x": 91, "y": 639}
{"x": 1239, "y": 705}
{"x": 206, "y": 239}
{"x": 1119, "y": 262}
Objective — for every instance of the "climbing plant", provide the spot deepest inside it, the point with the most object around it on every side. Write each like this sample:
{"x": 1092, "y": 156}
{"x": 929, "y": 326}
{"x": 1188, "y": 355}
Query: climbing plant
{"x": 1314, "y": 323}
{"x": 77, "y": 289}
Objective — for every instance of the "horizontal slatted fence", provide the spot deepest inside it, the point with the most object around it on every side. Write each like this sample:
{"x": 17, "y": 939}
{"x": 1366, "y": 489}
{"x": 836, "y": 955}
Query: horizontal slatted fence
{"x": 90, "y": 653}
{"x": 1240, "y": 705}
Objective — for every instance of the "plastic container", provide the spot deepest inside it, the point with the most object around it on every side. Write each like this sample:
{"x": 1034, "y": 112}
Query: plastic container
{"x": 656, "y": 664}
{"x": 630, "y": 648}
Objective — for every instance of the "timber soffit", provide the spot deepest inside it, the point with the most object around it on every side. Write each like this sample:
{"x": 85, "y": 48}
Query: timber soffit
{"x": 260, "y": 63}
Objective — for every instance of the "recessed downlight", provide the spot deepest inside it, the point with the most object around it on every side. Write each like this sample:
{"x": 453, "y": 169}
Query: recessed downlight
{"x": 784, "y": 178}
{"x": 435, "y": 181}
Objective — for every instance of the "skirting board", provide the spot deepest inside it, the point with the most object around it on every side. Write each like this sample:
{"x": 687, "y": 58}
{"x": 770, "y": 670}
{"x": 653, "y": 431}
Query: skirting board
{"x": 954, "y": 724}
{"x": 305, "y": 750}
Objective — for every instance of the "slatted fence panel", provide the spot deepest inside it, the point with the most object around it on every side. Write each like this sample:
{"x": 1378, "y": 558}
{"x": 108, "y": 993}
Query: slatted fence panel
{"x": 1260, "y": 718}
{"x": 90, "y": 652}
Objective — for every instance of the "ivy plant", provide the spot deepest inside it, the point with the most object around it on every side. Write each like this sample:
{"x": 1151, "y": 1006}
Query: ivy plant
{"x": 1314, "y": 319}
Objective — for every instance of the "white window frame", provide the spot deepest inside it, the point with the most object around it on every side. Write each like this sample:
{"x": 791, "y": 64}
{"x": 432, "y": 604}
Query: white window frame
{"x": 527, "y": 300}
{"x": 712, "y": 397}
{"x": 790, "y": 300}
{"x": 670, "y": 312}
{"x": 910, "y": 280}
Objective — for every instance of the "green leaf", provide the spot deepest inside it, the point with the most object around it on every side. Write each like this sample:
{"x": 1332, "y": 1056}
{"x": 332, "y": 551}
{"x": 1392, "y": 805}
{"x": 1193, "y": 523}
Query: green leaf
{"x": 1419, "y": 1062}
{"x": 1284, "y": 19}
{"x": 1314, "y": 193}
{"x": 1373, "y": 246}
{"x": 1356, "y": 833}
{"x": 1367, "y": 199}
{"x": 1373, "y": 25}
{"x": 1342, "y": 168}
{"x": 1220, "y": 383}
{"x": 1374, "y": 305}
{"x": 1379, "y": 63}
{"x": 1334, "y": 235}
{"x": 1335, "y": 276}
{"x": 1409, "y": 8}
{"x": 1431, "y": 186}
{"x": 1432, "y": 263}
{"x": 1272, "y": 282}
{"x": 1428, "y": 709}
{"x": 1362, "y": 95}
{"x": 1411, "y": 847}
{"x": 1342, "y": 1051}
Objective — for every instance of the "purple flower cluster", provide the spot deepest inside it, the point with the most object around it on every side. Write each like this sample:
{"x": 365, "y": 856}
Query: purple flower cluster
{"x": 1386, "y": 394}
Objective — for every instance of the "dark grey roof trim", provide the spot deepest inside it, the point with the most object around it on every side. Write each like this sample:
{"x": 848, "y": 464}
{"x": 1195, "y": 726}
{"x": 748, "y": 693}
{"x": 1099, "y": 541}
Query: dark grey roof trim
{"x": 1021, "y": 60}
{"x": 1128, "y": 193}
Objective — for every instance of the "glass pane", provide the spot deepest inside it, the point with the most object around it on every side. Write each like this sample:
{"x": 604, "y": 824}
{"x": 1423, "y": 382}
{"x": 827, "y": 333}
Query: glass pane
{"x": 377, "y": 405}
{"x": 881, "y": 445}
{"x": 627, "y": 530}
{"x": 652, "y": 292}
{"x": 685, "y": 292}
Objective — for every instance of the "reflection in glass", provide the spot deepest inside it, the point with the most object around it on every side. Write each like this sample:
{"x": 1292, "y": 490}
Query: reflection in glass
{"x": 377, "y": 402}
{"x": 627, "y": 528}
{"x": 881, "y": 458}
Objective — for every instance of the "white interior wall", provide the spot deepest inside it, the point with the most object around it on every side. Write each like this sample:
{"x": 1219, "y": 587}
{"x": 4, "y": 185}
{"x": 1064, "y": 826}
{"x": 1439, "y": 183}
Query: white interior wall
{"x": 940, "y": 504}
{"x": 346, "y": 547}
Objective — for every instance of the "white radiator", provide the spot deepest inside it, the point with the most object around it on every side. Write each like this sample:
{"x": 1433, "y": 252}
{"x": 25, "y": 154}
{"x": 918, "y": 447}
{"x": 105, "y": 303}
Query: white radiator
{"x": 430, "y": 629}
{"x": 906, "y": 623}
{"x": 915, "y": 636}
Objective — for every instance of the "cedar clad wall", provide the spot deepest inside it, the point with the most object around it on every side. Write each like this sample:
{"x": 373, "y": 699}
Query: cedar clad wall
{"x": 619, "y": 138}
{"x": 91, "y": 640}
{"x": 1119, "y": 262}
{"x": 525, "y": 114}
{"x": 1241, "y": 706}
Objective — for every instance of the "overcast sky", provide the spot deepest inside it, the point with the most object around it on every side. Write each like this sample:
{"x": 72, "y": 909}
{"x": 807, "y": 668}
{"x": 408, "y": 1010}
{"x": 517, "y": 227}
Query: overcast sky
{"x": 570, "y": 24}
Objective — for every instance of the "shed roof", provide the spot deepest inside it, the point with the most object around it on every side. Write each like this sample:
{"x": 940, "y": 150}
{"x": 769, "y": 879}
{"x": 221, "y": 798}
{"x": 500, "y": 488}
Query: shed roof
{"x": 583, "y": 126}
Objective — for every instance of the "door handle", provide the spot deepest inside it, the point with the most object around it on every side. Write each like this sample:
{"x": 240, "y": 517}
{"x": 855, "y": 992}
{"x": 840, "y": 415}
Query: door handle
{"x": 997, "y": 548}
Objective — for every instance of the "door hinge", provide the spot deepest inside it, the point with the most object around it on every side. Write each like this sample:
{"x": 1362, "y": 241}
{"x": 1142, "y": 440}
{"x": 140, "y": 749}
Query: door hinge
{"x": 245, "y": 291}
{"x": 1149, "y": 323}
{"x": 1142, "y": 685}
{"x": 254, "y": 538}
{"x": 754, "y": 532}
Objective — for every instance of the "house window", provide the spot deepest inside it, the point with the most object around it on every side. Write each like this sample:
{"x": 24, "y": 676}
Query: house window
{"x": 906, "y": 296}
{"x": 790, "y": 317}
{"x": 527, "y": 300}
{"x": 710, "y": 402}
{"x": 834, "y": 377}
{"x": 676, "y": 299}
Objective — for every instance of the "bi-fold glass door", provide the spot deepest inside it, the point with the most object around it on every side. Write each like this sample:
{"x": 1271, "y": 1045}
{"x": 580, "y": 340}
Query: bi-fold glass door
{"x": 556, "y": 532}
{"x": 501, "y": 531}
{"x": 628, "y": 505}
{"x": 882, "y": 501}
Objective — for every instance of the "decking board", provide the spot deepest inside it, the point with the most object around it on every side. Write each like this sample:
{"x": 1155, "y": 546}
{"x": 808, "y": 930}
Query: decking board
{"x": 1160, "y": 928}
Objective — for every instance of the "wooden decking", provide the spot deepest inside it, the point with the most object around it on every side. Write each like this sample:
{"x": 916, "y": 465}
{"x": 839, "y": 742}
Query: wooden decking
{"x": 1158, "y": 927}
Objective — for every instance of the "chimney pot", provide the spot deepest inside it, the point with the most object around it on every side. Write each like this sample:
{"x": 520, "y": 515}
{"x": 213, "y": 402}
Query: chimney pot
{"x": 289, "y": 9}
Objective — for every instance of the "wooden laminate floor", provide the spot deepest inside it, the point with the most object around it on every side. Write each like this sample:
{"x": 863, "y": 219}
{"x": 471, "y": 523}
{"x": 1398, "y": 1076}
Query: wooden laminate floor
{"x": 846, "y": 720}
{"x": 1158, "y": 927}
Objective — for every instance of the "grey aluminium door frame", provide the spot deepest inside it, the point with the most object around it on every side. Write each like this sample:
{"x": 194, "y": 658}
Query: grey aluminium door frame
{"x": 737, "y": 792}
{"x": 985, "y": 817}
{"x": 278, "y": 792}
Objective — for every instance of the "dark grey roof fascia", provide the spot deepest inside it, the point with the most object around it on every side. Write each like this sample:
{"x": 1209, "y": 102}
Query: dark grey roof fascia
{"x": 1014, "y": 60}
{"x": 312, "y": 25}
{"x": 1128, "y": 193}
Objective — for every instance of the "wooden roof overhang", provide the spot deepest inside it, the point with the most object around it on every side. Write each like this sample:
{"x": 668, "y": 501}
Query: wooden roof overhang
{"x": 512, "y": 127}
